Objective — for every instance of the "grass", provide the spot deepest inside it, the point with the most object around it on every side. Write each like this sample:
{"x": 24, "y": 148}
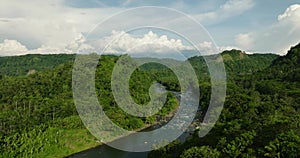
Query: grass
{"x": 70, "y": 141}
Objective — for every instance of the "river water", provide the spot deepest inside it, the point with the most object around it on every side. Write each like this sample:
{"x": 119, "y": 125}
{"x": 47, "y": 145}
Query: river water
{"x": 105, "y": 151}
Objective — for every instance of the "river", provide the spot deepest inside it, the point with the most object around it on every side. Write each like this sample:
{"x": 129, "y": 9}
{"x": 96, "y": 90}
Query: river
{"x": 105, "y": 151}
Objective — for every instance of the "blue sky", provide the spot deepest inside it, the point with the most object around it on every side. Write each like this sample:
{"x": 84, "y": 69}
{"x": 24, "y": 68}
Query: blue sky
{"x": 61, "y": 26}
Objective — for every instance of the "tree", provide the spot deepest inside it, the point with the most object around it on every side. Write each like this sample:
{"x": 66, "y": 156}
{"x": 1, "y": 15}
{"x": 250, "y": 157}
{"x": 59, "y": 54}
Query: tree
{"x": 239, "y": 145}
{"x": 286, "y": 144}
{"x": 200, "y": 152}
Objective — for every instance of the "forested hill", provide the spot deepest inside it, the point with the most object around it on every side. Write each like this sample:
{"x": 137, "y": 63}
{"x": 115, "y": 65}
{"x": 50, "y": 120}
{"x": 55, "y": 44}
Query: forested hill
{"x": 238, "y": 62}
{"x": 39, "y": 118}
{"x": 290, "y": 61}
{"x": 26, "y": 64}
{"x": 287, "y": 67}
{"x": 260, "y": 118}
{"x": 235, "y": 60}
{"x": 260, "y": 115}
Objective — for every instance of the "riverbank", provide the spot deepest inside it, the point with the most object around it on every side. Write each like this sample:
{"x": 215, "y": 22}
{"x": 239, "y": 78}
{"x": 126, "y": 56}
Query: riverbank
{"x": 68, "y": 141}
{"x": 160, "y": 121}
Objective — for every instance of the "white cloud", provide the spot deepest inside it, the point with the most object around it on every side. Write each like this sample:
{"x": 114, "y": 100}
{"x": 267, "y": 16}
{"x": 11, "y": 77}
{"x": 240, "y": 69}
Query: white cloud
{"x": 223, "y": 48}
{"x": 292, "y": 11}
{"x": 53, "y": 24}
{"x": 121, "y": 41}
{"x": 118, "y": 42}
{"x": 49, "y": 23}
{"x": 40, "y": 26}
{"x": 244, "y": 41}
{"x": 230, "y": 9}
{"x": 278, "y": 37}
{"x": 12, "y": 47}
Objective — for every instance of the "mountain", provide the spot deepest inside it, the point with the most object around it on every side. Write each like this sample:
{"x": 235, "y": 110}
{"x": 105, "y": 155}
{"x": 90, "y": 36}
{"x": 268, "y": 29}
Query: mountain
{"x": 261, "y": 113}
{"x": 237, "y": 62}
{"x": 288, "y": 66}
{"x": 234, "y": 55}
{"x": 290, "y": 61}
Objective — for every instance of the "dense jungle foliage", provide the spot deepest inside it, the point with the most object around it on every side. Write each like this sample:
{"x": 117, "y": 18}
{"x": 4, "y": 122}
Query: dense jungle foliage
{"x": 260, "y": 117}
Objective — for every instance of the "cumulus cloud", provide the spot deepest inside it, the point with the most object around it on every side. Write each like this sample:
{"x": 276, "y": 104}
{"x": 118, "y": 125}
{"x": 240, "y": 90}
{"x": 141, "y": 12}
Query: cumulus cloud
{"x": 121, "y": 41}
{"x": 50, "y": 23}
{"x": 278, "y": 37}
{"x": 12, "y": 47}
{"x": 55, "y": 27}
{"x": 292, "y": 11}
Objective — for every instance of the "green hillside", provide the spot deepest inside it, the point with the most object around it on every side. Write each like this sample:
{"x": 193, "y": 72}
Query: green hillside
{"x": 261, "y": 114}
{"x": 260, "y": 117}
{"x": 26, "y": 64}
{"x": 238, "y": 62}
{"x": 39, "y": 107}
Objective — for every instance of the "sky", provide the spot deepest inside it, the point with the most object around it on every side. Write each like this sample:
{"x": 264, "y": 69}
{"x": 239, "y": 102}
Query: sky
{"x": 71, "y": 26}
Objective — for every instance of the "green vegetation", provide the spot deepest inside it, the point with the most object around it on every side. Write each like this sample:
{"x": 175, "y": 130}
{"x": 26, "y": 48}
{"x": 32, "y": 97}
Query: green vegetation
{"x": 261, "y": 114}
{"x": 260, "y": 117}
{"x": 27, "y": 64}
{"x": 47, "y": 141}
{"x": 38, "y": 115}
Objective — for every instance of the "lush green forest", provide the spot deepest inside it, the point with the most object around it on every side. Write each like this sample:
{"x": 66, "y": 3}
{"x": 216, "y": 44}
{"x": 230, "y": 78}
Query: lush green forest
{"x": 261, "y": 115}
{"x": 38, "y": 108}
{"x": 28, "y": 64}
{"x": 260, "y": 118}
